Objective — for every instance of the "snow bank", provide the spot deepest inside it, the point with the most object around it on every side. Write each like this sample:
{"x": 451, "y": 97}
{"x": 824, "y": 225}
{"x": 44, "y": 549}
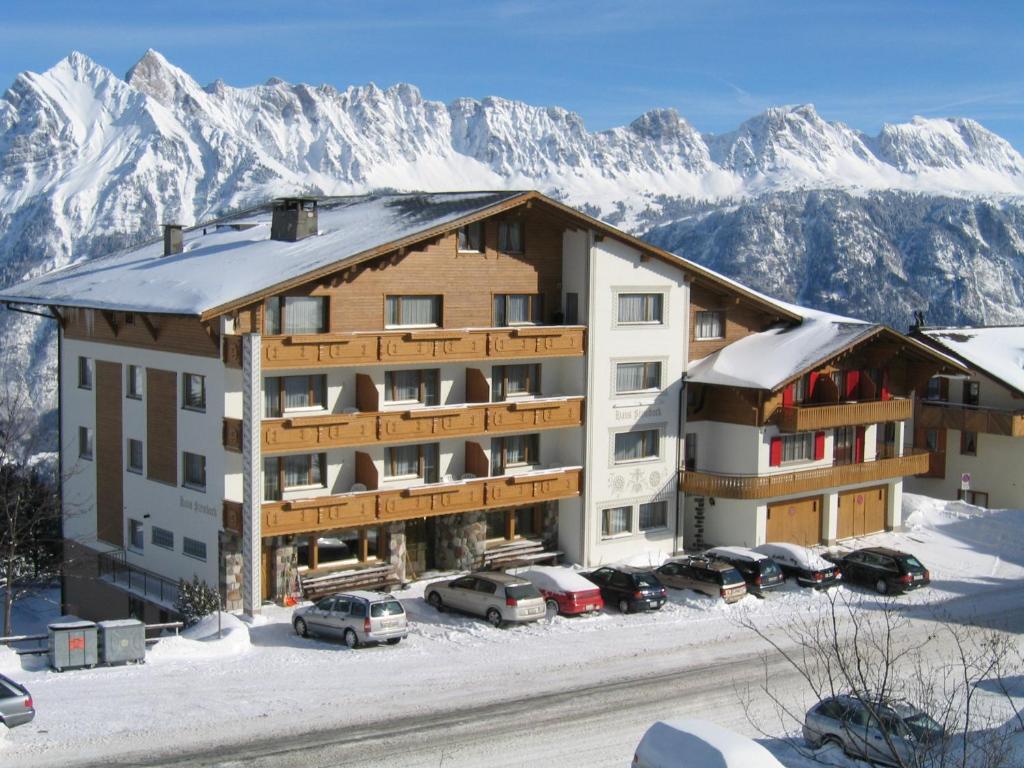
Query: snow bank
{"x": 201, "y": 641}
{"x": 10, "y": 663}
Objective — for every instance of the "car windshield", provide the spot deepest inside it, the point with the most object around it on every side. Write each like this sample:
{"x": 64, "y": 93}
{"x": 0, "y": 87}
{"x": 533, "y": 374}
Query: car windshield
{"x": 647, "y": 580}
{"x": 912, "y": 563}
{"x": 521, "y": 591}
{"x": 730, "y": 577}
{"x": 922, "y": 726}
{"x": 389, "y": 608}
{"x": 770, "y": 568}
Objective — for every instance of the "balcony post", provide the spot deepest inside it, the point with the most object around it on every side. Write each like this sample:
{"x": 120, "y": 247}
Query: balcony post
{"x": 252, "y": 493}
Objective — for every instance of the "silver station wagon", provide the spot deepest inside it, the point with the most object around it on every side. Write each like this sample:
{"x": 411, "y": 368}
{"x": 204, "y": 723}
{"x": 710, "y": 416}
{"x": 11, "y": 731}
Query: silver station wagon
{"x": 498, "y": 597}
{"x": 357, "y": 618}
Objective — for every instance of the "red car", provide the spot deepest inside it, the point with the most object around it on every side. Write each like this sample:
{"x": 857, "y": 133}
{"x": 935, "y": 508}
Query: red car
{"x": 565, "y": 591}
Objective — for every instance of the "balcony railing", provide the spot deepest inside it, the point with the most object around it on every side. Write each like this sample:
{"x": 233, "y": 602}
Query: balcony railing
{"x": 341, "y": 430}
{"x": 414, "y": 346}
{"x": 785, "y": 483}
{"x": 114, "y": 569}
{"x": 349, "y": 510}
{"x": 809, "y": 417}
{"x": 933, "y": 414}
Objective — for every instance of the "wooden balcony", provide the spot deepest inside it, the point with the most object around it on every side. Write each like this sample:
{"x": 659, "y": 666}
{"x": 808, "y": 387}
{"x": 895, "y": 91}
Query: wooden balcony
{"x": 232, "y": 517}
{"x": 317, "y": 433}
{"x": 432, "y": 345}
{"x": 811, "y": 417}
{"x": 352, "y": 510}
{"x": 990, "y": 421}
{"x": 786, "y": 483}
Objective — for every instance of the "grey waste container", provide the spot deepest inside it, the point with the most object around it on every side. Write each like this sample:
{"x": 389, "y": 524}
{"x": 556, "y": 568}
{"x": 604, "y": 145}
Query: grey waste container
{"x": 122, "y": 640}
{"x": 72, "y": 645}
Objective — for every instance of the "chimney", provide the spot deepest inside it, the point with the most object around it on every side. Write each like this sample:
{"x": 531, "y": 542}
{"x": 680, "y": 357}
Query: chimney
{"x": 173, "y": 242}
{"x": 295, "y": 218}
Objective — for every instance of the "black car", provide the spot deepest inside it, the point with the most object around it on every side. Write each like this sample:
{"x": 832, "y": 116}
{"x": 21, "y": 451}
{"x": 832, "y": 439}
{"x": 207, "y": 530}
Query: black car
{"x": 631, "y": 589}
{"x": 889, "y": 571}
{"x": 760, "y": 572}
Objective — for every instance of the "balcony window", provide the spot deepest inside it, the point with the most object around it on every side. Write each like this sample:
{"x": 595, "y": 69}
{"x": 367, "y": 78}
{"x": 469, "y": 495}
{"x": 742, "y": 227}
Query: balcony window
{"x": 798, "y": 447}
{"x": 301, "y": 471}
{"x": 968, "y": 443}
{"x": 972, "y": 392}
{"x": 636, "y": 446}
{"x": 135, "y": 456}
{"x": 616, "y": 521}
{"x": 85, "y": 441}
{"x": 409, "y": 461}
{"x": 514, "y": 451}
{"x": 471, "y": 237}
{"x": 136, "y": 535}
{"x": 295, "y": 315}
{"x": 513, "y": 380}
{"x": 193, "y": 392}
{"x": 640, "y": 308}
{"x": 85, "y": 373}
{"x": 938, "y": 389}
{"x": 285, "y": 393}
{"x": 414, "y": 311}
{"x": 637, "y": 377}
{"x": 845, "y": 445}
{"x": 710, "y": 325}
{"x": 517, "y": 309}
{"x": 653, "y": 515}
{"x": 419, "y": 386}
{"x": 133, "y": 382}
{"x": 194, "y": 471}
{"x": 510, "y": 237}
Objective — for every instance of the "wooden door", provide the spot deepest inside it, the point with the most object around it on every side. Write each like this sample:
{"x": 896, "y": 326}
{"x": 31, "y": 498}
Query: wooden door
{"x": 861, "y": 512}
{"x": 797, "y": 521}
{"x": 265, "y": 572}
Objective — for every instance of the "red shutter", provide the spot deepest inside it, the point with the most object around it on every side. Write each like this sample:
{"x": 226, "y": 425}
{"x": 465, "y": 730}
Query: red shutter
{"x": 885, "y": 384}
{"x": 775, "y": 457}
{"x": 812, "y": 381}
{"x": 858, "y": 455}
{"x": 852, "y": 384}
{"x": 787, "y": 395}
{"x": 819, "y": 446}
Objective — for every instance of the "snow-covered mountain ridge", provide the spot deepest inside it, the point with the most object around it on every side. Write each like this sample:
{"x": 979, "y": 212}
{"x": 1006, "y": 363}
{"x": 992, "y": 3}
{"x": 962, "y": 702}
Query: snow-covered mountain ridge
{"x": 91, "y": 162}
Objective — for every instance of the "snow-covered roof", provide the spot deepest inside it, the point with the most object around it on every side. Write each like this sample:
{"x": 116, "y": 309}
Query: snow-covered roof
{"x": 220, "y": 264}
{"x": 997, "y": 351}
{"x": 555, "y": 578}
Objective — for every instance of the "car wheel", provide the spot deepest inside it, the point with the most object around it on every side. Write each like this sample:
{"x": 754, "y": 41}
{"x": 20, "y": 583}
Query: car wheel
{"x": 881, "y": 587}
{"x": 300, "y": 628}
{"x": 393, "y": 640}
{"x": 552, "y": 607}
{"x": 623, "y": 606}
{"x": 833, "y": 741}
{"x": 494, "y": 617}
{"x": 351, "y": 638}
{"x": 435, "y": 600}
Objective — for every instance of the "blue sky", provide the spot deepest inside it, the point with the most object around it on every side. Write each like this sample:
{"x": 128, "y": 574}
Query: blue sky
{"x": 716, "y": 61}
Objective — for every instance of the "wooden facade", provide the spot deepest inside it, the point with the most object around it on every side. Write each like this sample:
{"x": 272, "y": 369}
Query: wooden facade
{"x": 741, "y": 318}
{"x": 806, "y": 418}
{"x": 162, "y": 426}
{"x": 109, "y": 454}
{"x": 165, "y": 333}
{"x": 990, "y": 421}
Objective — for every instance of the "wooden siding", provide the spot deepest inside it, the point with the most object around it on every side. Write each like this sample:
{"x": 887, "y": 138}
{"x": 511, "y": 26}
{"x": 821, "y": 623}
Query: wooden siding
{"x": 373, "y": 507}
{"x": 166, "y": 333}
{"x": 109, "y": 454}
{"x": 861, "y": 512}
{"x": 805, "y": 418}
{"x": 798, "y": 521}
{"x": 801, "y": 481}
{"x": 162, "y": 426}
{"x": 232, "y": 434}
{"x": 232, "y": 516}
{"x": 741, "y": 319}
{"x": 991, "y": 421}
{"x": 731, "y": 405}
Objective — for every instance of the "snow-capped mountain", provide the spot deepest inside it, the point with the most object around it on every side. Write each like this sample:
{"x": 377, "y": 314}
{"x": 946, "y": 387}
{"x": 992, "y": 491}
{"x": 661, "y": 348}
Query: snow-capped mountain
{"x": 91, "y": 162}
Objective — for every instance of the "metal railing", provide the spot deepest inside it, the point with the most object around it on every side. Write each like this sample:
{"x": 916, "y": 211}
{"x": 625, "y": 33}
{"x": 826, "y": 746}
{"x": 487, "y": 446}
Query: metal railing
{"x": 113, "y": 567}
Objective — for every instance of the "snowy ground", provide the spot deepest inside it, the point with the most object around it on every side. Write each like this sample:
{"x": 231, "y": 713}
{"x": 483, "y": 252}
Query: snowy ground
{"x": 263, "y": 682}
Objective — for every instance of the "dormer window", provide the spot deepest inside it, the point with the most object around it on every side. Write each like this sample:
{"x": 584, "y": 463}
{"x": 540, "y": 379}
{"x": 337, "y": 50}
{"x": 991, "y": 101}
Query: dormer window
{"x": 295, "y": 315}
{"x": 510, "y": 237}
{"x": 471, "y": 237}
{"x": 710, "y": 325}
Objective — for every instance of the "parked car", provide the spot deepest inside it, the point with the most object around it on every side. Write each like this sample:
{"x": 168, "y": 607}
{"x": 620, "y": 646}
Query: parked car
{"x": 860, "y": 730}
{"x": 630, "y": 589}
{"x": 889, "y": 571}
{"x": 564, "y": 589}
{"x": 15, "y": 703}
{"x": 806, "y": 566}
{"x": 759, "y": 571}
{"x": 356, "y": 617}
{"x": 498, "y": 597}
{"x": 693, "y": 743}
{"x": 712, "y": 577}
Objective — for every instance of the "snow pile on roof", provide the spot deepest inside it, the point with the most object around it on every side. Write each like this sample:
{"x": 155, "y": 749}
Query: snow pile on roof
{"x": 768, "y": 359}
{"x": 220, "y": 264}
{"x": 704, "y": 744}
{"x": 201, "y": 641}
{"x": 998, "y": 351}
{"x": 555, "y": 578}
{"x": 793, "y": 554}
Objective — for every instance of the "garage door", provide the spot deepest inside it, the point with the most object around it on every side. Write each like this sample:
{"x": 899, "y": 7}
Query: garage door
{"x": 862, "y": 512}
{"x": 797, "y": 521}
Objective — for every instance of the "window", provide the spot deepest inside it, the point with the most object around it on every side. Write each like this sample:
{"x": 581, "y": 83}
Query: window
{"x": 968, "y": 443}
{"x": 136, "y": 535}
{"x": 135, "y": 456}
{"x": 161, "y": 537}
{"x": 471, "y": 237}
{"x": 85, "y": 443}
{"x": 798, "y": 447}
{"x": 977, "y": 498}
{"x": 285, "y": 393}
{"x": 510, "y": 236}
{"x": 517, "y": 309}
{"x": 690, "y": 451}
{"x": 290, "y": 472}
{"x": 635, "y": 446}
{"x": 508, "y": 380}
{"x": 413, "y": 461}
{"x": 413, "y": 310}
{"x": 421, "y": 386}
{"x": 133, "y": 382}
{"x": 295, "y": 315}
{"x": 710, "y": 325}
{"x": 572, "y": 308}
{"x": 640, "y": 308}
{"x": 129, "y": 318}
{"x": 85, "y": 373}
{"x": 636, "y": 377}
{"x": 938, "y": 389}
{"x": 931, "y": 440}
{"x": 844, "y": 445}
{"x": 193, "y": 392}
{"x": 972, "y": 392}
{"x": 514, "y": 451}
{"x": 616, "y": 521}
{"x": 194, "y": 471}
{"x": 653, "y": 514}
{"x": 193, "y": 548}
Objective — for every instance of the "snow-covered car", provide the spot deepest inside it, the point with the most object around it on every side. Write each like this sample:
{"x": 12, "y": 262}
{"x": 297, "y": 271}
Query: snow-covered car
{"x": 894, "y": 734}
{"x": 759, "y": 571}
{"x": 498, "y": 597}
{"x": 564, "y": 589}
{"x": 16, "y": 706}
{"x": 355, "y": 617}
{"x": 697, "y": 743}
{"x": 802, "y": 563}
